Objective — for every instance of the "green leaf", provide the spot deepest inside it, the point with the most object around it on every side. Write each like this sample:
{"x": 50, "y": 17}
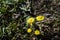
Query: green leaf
{"x": 3, "y": 9}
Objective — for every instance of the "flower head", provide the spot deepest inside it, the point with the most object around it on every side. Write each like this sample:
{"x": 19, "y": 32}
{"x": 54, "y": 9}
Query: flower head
{"x": 37, "y": 32}
{"x": 29, "y": 30}
{"x": 30, "y": 20}
{"x": 40, "y": 18}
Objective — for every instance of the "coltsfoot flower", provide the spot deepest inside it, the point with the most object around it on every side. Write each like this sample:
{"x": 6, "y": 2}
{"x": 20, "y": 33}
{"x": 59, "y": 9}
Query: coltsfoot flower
{"x": 40, "y": 18}
{"x": 29, "y": 30}
{"x": 30, "y": 20}
{"x": 37, "y": 32}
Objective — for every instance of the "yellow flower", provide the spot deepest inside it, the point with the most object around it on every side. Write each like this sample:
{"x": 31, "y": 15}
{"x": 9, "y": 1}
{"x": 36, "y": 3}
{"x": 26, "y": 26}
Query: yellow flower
{"x": 30, "y": 20}
{"x": 40, "y": 18}
{"x": 29, "y": 30}
{"x": 37, "y": 32}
